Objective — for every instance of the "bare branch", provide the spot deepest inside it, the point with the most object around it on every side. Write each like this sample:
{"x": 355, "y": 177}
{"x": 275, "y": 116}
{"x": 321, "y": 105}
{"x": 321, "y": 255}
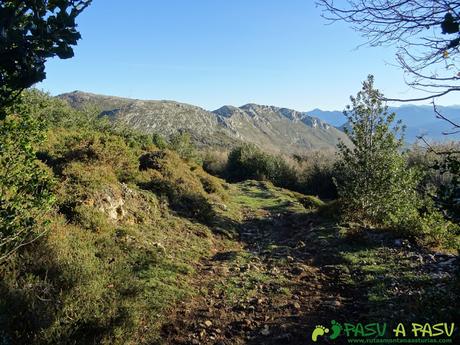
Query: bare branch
{"x": 426, "y": 34}
{"x": 421, "y": 98}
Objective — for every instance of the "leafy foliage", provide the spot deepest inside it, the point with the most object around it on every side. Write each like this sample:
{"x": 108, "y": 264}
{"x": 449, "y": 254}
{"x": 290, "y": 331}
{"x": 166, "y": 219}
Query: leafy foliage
{"x": 448, "y": 165}
{"x": 159, "y": 141}
{"x": 375, "y": 184}
{"x": 182, "y": 144}
{"x": 373, "y": 180}
{"x": 188, "y": 189}
{"x": 25, "y": 184}
{"x": 440, "y": 165}
{"x": 249, "y": 162}
{"x": 31, "y": 32}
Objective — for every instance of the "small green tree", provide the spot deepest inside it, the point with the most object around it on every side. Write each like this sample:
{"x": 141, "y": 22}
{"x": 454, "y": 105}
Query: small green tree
{"x": 25, "y": 185}
{"x": 373, "y": 181}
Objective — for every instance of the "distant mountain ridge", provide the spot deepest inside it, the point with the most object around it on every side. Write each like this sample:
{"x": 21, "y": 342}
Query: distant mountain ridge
{"x": 419, "y": 120}
{"x": 272, "y": 128}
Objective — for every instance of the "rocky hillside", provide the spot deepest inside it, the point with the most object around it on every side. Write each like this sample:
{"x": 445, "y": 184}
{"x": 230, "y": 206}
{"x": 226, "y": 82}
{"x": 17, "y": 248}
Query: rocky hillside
{"x": 163, "y": 117}
{"x": 274, "y": 129}
{"x": 279, "y": 128}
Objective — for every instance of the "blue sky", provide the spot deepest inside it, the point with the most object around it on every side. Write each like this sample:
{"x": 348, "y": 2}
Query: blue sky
{"x": 215, "y": 52}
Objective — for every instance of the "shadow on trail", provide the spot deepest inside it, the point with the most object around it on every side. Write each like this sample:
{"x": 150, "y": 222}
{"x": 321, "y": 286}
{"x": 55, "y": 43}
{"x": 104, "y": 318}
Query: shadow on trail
{"x": 285, "y": 273}
{"x": 290, "y": 275}
{"x": 305, "y": 250}
{"x": 397, "y": 284}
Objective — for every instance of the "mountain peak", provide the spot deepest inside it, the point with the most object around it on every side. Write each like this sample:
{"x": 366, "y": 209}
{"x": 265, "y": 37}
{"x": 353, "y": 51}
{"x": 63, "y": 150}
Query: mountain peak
{"x": 272, "y": 128}
{"x": 226, "y": 110}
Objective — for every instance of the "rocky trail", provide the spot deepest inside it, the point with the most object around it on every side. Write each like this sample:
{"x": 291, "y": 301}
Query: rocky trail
{"x": 289, "y": 271}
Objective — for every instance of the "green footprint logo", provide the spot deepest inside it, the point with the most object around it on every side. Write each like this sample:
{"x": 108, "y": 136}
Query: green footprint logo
{"x": 318, "y": 331}
{"x": 336, "y": 329}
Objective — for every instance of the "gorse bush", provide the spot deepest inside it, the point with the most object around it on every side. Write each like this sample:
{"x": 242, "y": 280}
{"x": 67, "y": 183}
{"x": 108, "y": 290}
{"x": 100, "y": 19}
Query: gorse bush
{"x": 25, "y": 183}
{"x": 159, "y": 141}
{"x": 249, "y": 162}
{"x": 90, "y": 146}
{"x": 189, "y": 190}
{"x": 429, "y": 226}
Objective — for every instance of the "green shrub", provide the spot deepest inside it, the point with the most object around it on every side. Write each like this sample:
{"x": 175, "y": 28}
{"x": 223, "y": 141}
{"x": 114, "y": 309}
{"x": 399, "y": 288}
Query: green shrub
{"x": 182, "y": 200}
{"x": 248, "y": 162}
{"x": 91, "y": 219}
{"x": 187, "y": 191}
{"x": 88, "y": 146}
{"x": 210, "y": 186}
{"x": 374, "y": 183}
{"x": 215, "y": 162}
{"x": 439, "y": 163}
{"x": 182, "y": 144}
{"x": 152, "y": 160}
{"x": 25, "y": 183}
{"x": 429, "y": 228}
{"x": 159, "y": 141}
{"x": 309, "y": 201}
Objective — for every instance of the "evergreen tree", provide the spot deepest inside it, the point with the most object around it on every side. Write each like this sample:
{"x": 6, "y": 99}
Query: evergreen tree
{"x": 373, "y": 181}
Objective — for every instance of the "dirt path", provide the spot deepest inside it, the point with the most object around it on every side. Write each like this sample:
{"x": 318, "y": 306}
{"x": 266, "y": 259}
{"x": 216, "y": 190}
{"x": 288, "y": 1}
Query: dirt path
{"x": 289, "y": 270}
{"x": 269, "y": 289}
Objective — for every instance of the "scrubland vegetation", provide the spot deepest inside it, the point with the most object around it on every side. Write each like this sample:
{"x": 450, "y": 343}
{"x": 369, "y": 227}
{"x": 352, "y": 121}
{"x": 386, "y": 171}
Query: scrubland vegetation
{"x": 105, "y": 255}
{"x": 103, "y": 229}
{"x": 112, "y": 236}
{"x": 376, "y": 182}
